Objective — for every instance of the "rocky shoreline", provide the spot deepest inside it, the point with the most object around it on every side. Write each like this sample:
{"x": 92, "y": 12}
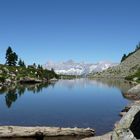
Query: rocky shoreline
{"x": 12, "y": 75}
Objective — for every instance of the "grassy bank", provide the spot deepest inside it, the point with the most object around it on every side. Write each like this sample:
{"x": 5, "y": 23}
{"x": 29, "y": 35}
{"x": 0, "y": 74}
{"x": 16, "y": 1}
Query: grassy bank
{"x": 135, "y": 77}
{"x": 16, "y": 73}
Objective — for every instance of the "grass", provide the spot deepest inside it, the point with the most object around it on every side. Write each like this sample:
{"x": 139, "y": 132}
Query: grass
{"x": 17, "y": 73}
{"x": 136, "y": 75}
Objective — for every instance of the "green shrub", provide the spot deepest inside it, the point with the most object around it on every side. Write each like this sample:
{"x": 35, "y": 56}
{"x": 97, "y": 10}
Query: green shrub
{"x": 2, "y": 79}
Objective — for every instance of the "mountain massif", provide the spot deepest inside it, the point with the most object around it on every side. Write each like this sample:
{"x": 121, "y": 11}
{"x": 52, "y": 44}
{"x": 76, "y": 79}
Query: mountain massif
{"x": 126, "y": 68}
{"x": 71, "y": 67}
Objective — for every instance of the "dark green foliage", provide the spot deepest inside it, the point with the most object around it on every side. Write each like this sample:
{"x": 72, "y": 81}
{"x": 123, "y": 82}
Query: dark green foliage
{"x": 123, "y": 58}
{"x": 9, "y": 51}
{"x": 21, "y": 63}
{"x": 34, "y": 65}
{"x": 23, "y": 72}
{"x": 10, "y": 97}
{"x": 13, "y": 72}
{"x": 39, "y": 66}
{"x": 137, "y": 47}
{"x": 137, "y": 74}
{"x": 47, "y": 74}
{"x": 15, "y": 91}
{"x": 2, "y": 79}
{"x": 11, "y": 57}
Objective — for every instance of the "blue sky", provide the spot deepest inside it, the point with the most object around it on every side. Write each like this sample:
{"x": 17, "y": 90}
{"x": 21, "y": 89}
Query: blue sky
{"x": 58, "y": 30}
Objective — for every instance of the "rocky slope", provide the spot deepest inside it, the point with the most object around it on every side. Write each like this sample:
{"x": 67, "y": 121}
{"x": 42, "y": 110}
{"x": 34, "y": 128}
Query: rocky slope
{"x": 128, "y": 67}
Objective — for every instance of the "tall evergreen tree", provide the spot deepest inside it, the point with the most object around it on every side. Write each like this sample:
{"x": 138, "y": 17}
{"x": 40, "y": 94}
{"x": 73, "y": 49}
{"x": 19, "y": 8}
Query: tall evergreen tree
{"x": 11, "y": 57}
{"x": 8, "y": 52}
{"x": 34, "y": 65}
{"x": 21, "y": 63}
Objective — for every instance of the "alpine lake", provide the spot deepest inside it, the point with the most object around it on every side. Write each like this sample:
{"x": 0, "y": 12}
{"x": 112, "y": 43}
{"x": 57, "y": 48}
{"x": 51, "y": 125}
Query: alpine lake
{"x": 65, "y": 103}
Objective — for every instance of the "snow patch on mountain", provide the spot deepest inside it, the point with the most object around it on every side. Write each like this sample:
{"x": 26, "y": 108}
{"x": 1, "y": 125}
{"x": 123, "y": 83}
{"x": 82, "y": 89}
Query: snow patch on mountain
{"x": 71, "y": 67}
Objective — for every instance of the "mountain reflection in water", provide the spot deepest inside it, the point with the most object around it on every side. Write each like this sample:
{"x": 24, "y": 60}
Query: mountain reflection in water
{"x": 66, "y": 103}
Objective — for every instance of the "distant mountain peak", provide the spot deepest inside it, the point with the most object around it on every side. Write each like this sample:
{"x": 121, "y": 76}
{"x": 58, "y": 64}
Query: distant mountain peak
{"x": 70, "y": 67}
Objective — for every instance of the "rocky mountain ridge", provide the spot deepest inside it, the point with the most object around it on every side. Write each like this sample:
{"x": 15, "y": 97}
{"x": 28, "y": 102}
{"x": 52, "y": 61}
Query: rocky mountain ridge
{"x": 127, "y": 67}
{"x": 71, "y": 67}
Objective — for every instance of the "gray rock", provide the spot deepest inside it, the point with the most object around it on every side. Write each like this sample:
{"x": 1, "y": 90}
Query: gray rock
{"x": 124, "y": 134}
{"x": 122, "y": 130}
{"x": 12, "y": 75}
{"x": 8, "y": 81}
{"x": 135, "y": 89}
{"x": 107, "y": 136}
{"x": 133, "y": 93}
{"x": 135, "y": 78}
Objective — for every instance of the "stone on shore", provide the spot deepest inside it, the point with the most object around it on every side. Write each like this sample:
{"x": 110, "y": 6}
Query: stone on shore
{"x": 133, "y": 93}
{"x": 128, "y": 127}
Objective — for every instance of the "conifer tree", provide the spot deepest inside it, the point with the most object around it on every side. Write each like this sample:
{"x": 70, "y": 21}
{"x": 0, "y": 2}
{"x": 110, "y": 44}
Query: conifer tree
{"x": 11, "y": 57}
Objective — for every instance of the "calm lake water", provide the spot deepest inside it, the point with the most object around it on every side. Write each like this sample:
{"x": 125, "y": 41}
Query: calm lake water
{"x": 66, "y": 103}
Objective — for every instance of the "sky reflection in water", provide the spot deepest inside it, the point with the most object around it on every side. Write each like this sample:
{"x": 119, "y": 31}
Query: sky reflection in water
{"x": 67, "y": 103}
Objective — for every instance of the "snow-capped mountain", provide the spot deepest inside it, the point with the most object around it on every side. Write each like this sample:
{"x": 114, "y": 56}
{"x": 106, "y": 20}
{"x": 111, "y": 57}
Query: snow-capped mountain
{"x": 71, "y": 67}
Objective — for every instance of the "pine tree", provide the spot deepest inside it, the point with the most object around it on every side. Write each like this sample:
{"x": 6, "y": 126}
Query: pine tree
{"x": 34, "y": 65}
{"x": 137, "y": 47}
{"x": 123, "y": 58}
{"x": 39, "y": 67}
{"x": 8, "y": 52}
{"x": 11, "y": 57}
{"x": 21, "y": 63}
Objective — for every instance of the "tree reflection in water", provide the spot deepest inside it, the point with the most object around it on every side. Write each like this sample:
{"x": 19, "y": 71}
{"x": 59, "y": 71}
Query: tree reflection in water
{"x": 16, "y": 91}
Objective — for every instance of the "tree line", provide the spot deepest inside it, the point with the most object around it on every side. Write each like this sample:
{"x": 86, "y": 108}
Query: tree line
{"x": 126, "y": 56}
{"x": 12, "y": 59}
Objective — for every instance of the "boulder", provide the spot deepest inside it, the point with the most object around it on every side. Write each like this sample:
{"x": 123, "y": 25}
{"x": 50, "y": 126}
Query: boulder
{"x": 135, "y": 78}
{"x": 126, "y": 128}
{"x": 8, "y": 81}
{"x": 133, "y": 93}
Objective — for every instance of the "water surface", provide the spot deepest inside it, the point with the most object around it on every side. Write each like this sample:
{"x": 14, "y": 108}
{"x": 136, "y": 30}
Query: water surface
{"x": 66, "y": 103}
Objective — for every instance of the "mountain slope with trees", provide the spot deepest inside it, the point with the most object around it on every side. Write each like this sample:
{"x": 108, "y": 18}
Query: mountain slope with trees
{"x": 130, "y": 64}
